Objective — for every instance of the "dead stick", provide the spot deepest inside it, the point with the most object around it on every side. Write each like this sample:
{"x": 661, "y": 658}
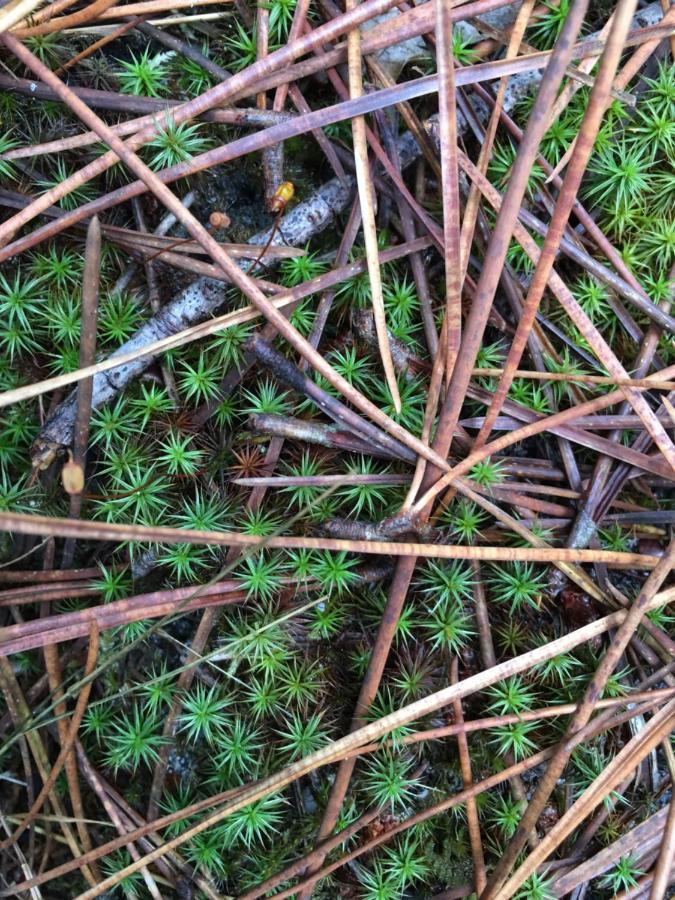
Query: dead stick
{"x": 667, "y": 853}
{"x": 450, "y": 189}
{"x": 467, "y": 780}
{"x": 90, "y": 284}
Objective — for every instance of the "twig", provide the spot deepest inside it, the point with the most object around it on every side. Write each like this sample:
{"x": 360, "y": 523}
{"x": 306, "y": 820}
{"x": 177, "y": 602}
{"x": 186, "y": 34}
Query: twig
{"x": 662, "y": 870}
{"x": 450, "y": 188}
{"x": 367, "y": 201}
{"x": 90, "y": 284}
{"x": 467, "y": 782}
{"x": 153, "y": 298}
{"x": 159, "y": 334}
{"x": 313, "y": 432}
{"x": 341, "y": 414}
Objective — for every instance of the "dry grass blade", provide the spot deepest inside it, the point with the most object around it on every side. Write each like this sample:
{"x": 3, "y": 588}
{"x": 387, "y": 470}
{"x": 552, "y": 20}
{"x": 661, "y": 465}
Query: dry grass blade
{"x": 450, "y": 186}
{"x": 46, "y": 525}
{"x": 636, "y": 383}
{"x": 664, "y": 864}
{"x": 467, "y": 782}
{"x": 92, "y": 48}
{"x": 367, "y": 201}
{"x": 571, "y": 88}
{"x": 565, "y": 202}
{"x": 76, "y": 466}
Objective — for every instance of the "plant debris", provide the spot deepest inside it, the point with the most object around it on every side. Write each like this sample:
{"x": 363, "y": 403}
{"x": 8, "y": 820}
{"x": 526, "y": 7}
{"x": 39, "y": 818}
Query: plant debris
{"x": 337, "y": 449}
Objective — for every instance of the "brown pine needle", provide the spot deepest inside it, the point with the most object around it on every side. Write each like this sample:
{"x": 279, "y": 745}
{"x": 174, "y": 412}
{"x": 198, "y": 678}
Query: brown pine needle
{"x": 367, "y": 200}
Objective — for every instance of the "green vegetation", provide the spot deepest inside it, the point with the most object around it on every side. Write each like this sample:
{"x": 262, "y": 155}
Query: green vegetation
{"x": 258, "y": 654}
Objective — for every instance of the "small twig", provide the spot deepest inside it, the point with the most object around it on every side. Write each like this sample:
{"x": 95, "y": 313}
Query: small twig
{"x": 185, "y": 49}
{"x": 367, "y": 200}
{"x": 449, "y": 189}
{"x": 92, "y": 48}
{"x": 94, "y": 11}
{"x": 662, "y": 870}
{"x": 467, "y": 781}
{"x": 283, "y": 369}
{"x": 90, "y": 285}
{"x": 314, "y": 432}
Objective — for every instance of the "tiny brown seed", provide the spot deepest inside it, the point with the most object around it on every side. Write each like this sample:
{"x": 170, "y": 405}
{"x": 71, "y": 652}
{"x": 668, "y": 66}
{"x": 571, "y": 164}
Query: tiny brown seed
{"x": 72, "y": 477}
{"x": 219, "y": 219}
